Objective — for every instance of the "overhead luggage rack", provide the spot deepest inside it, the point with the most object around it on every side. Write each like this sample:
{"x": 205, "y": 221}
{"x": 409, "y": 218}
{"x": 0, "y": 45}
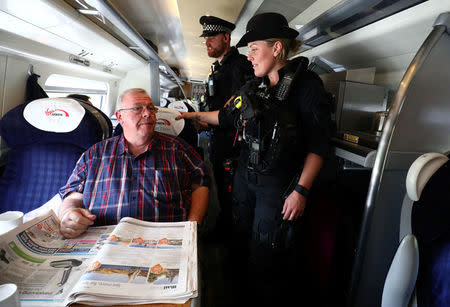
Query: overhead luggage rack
{"x": 157, "y": 64}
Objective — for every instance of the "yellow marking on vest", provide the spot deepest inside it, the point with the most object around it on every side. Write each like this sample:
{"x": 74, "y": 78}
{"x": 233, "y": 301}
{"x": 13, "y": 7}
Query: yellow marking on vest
{"x": 238, "y": 102}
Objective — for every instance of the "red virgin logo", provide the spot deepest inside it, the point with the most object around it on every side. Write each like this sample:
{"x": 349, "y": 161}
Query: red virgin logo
{"x": 56, "y": 112}
{"x": 163, "y": 121}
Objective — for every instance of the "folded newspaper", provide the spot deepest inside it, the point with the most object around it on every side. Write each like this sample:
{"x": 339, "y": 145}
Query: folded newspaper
{"x": 133, "y": 262}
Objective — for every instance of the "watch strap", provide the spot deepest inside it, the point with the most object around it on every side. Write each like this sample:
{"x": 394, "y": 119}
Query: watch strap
{"x": 301, "y": 190}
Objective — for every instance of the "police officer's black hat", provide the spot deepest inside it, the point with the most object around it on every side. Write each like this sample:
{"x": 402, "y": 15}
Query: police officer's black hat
{"x": 214, "y": 25}
{"x": 266, "y": 25}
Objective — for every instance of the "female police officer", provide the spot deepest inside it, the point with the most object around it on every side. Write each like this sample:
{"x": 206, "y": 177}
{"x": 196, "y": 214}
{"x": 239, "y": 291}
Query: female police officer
{"x": 284, "y": 115}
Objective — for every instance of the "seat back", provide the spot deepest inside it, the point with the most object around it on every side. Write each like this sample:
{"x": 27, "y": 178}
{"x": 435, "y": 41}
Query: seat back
{"x": 402, "y": 274}
{"x": 46, "y": 137}
{"x": 430, "y": 224}
{"x": 426, "y": 202}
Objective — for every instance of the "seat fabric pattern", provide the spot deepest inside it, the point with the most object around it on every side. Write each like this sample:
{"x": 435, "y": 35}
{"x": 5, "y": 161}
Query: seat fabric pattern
{"x": 40, "y": 162}
{"x": 431, "y": 225}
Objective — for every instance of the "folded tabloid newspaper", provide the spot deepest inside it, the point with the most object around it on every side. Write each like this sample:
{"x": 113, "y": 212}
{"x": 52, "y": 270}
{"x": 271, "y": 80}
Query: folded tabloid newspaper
{"x": 134, "y": 262}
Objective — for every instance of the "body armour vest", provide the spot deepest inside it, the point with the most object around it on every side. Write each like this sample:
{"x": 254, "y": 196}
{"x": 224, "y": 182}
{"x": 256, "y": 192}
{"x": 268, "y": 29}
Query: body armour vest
{"x": 272, "y": 132}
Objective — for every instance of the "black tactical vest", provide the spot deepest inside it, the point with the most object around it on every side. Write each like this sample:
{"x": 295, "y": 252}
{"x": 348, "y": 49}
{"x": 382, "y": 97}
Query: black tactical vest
{"x": 272, "y": 136}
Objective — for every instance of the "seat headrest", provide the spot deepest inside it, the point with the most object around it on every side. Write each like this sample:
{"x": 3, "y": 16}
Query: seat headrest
{"x": 178, "y": 105}
{"x": 51, "y": 120}
{"x": 54, "y": 114}
{"x": 420, "y": 172}
{"x": 166, "y": 122}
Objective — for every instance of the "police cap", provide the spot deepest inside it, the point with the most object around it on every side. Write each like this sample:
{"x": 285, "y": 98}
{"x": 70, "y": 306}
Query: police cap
{"x": 266, "y": 25}
{"x": 213, "y": 25}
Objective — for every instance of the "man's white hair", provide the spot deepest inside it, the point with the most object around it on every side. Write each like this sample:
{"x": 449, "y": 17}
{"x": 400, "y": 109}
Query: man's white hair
{"x": 129, "y": 91}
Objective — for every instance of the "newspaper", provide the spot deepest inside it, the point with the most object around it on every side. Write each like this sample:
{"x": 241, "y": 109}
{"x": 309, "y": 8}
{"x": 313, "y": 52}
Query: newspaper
{"x": 134, "y": 262}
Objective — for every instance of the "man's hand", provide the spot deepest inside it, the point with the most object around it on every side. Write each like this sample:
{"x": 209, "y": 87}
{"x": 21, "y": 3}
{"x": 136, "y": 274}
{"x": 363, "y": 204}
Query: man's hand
{"x": 75, "y": 221}
{"x": 294, "y": 206}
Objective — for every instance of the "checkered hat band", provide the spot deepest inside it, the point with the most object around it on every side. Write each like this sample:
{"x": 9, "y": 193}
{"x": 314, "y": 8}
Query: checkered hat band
{"x": 215, "y": 28}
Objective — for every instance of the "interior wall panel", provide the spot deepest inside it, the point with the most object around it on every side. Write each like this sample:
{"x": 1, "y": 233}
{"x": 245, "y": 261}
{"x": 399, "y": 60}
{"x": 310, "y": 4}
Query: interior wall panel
{"x": 136, "y": 78}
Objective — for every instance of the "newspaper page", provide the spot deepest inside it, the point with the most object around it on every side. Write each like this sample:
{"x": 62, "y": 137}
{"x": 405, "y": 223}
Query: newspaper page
{"x": 43, "y": 264}
{"x": 142, "y": 262}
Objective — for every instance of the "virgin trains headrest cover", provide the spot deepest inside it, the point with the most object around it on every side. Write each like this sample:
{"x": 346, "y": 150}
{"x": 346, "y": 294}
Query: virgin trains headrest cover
{"x": 54, "y": 115}
{"x": 50, "y": 120}
{"x": 178, "y": 105}
{"x": 166, "y": 122}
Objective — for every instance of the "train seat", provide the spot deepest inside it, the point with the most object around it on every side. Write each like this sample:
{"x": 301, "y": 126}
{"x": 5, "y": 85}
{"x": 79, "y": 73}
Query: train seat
{"x": 46, "y": 138}
{"x": 402, "y": 274}
{"x": 421, "y": 260}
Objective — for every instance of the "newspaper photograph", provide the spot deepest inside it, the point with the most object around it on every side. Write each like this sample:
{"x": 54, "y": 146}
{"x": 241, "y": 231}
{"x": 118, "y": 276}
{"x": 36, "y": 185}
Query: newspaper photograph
{"x": 132, "y": 262}
{"x": 43, "y": 264}
{"x": 147, "y": 261}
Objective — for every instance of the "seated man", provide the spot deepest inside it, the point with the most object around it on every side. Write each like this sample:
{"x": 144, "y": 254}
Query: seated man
{"x": 140, "y": 173}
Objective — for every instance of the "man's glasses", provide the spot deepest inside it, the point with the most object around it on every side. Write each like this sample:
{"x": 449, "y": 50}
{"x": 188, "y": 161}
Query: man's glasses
{"x": 140, "y": 109}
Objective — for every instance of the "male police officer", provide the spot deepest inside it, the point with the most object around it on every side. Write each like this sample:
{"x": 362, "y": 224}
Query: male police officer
{"x": 229, "y": 73}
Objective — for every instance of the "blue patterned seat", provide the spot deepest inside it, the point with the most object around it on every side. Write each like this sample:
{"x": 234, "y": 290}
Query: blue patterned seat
{"x": 422, "y": 261}
{"x": 46, "y": 137}
{"x": 430, "y": 221}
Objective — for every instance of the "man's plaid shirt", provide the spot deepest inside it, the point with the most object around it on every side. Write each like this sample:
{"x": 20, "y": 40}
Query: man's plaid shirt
{"x": 154, "y": 186}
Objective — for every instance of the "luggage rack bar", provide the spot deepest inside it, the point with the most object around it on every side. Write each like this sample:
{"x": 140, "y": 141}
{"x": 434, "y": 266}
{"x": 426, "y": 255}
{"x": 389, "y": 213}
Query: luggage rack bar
{"x": 106, "y": 9}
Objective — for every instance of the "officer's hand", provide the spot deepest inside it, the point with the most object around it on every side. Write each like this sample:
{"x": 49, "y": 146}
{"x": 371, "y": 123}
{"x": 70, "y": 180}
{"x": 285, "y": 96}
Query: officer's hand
{"x": 294, "y": 205}
{"x": 75, "y": 221}
{"x": 186, "y": 115}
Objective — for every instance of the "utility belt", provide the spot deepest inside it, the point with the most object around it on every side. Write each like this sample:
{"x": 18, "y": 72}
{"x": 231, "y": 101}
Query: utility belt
{"x": 271, "y": 179}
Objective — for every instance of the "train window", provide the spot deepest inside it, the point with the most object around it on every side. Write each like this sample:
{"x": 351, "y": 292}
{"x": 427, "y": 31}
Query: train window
{"x": 61, "y": 86}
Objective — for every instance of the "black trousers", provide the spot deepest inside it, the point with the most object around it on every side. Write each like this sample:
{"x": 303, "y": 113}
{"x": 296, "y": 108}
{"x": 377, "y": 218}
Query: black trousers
{"x": 221, "y": 149}
{"x": 267, "y": 249}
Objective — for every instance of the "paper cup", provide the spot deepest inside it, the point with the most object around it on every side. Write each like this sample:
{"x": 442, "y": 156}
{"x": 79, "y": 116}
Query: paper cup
{"x": 10, "y": 220}
{"x": 9, "y": 296}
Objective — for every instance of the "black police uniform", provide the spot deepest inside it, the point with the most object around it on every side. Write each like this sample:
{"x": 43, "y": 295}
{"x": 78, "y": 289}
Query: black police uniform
{"x": 228, "y": 76}
{"x": 225, "y": 79}
{"x": 277, "y": 141}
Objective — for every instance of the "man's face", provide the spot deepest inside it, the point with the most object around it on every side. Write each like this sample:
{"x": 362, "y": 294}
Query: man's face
{"x": 137, "y": 116}
{"x": 216, "y": 45}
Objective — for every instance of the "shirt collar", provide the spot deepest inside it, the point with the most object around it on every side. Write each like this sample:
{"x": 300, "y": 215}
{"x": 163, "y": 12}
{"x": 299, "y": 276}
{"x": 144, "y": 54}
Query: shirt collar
{"x": 233, "y": 51}
{"x": 122, "y": 147}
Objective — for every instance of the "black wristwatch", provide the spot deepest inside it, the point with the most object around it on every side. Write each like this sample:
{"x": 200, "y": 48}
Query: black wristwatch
{"x": 301, "y": 190}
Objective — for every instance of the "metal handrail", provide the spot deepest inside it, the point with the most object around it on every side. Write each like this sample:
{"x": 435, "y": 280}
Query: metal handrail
{"x": 118, "y": 20}
{"x": 382, "y": 153}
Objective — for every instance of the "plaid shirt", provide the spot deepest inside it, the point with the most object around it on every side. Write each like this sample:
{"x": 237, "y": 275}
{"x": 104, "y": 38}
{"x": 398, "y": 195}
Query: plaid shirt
{"x": 154, "y": 186}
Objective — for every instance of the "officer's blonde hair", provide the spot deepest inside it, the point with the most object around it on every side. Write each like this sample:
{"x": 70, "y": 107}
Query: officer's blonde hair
{"x": 290, "y": 46}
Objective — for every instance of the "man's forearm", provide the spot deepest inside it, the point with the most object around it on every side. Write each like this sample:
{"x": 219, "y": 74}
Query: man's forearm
{"x": 72, "y": 200}
{"x": 199, "y": 205}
